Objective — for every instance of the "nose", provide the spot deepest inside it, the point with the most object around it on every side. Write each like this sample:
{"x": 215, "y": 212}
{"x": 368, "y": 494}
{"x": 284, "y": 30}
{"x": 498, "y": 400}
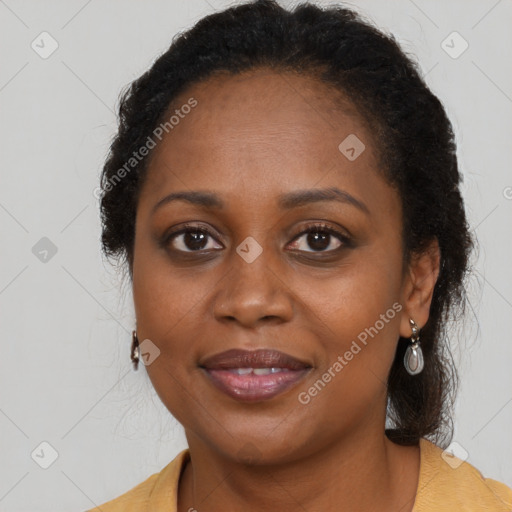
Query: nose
{"x": 253, "y": 293}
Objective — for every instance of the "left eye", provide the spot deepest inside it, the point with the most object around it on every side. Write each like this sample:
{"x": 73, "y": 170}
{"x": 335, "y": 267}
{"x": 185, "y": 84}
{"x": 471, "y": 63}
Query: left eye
{"x": 320, "y": 239}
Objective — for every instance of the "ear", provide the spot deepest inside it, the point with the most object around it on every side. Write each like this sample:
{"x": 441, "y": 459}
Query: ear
{"x": 418, "y": 287}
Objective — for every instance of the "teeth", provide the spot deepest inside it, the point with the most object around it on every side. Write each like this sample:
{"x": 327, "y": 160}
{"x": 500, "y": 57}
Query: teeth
{"x": 258, "y": 371}
{"x": 262, "y": 371}
{"x": 243, "y": 371}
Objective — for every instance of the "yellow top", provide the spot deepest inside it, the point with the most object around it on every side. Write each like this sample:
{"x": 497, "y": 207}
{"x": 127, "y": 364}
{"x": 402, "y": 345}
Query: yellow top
{"x": 445, "y": 485}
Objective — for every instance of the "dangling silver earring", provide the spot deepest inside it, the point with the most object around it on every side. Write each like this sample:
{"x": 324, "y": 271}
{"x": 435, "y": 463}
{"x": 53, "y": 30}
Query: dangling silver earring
{"x": 135, "y": 351}
{"x": 413, "y": 359}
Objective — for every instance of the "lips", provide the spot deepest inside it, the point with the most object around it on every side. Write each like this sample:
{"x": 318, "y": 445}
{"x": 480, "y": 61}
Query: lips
{"x": 254, "y": 375}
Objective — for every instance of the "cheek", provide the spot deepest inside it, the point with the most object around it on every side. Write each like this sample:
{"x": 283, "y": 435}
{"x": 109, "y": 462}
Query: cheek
{"x": 357, "y": 316}
{"x": 170, "y": 311}
{"x": 358, "y": 309}
{"x": 164, "y": 295}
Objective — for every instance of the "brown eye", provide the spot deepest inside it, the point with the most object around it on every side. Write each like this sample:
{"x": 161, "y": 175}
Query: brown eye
{"x": 319, "y": 238}
{"x": 191, "y": 239}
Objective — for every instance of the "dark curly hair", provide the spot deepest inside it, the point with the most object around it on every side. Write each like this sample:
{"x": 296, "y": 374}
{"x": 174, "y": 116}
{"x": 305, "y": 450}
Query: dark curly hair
{"x": 415, "y": 144}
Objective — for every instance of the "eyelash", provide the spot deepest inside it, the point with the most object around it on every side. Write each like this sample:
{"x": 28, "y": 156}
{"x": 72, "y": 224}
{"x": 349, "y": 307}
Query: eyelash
{"x": 316, "y": 227}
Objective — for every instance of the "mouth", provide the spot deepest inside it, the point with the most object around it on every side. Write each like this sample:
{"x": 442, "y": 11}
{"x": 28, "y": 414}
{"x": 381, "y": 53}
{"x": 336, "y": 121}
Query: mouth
{"x": 254, "y": 376}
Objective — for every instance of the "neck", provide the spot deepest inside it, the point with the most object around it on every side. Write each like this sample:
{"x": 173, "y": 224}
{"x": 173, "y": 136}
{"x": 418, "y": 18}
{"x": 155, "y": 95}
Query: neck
{"x": 360, "y": 473}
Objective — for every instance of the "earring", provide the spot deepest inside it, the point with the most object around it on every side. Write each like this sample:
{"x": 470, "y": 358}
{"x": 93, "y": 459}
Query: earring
{"x": 135, "y": 352}
{"x": 413, "y": 359}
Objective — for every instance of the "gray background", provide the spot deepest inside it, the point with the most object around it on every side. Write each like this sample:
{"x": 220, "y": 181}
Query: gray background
{"x": 66, "y": 322}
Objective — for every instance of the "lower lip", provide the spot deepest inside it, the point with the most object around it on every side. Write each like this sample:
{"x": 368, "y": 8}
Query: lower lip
{"x": 253, "y": 388}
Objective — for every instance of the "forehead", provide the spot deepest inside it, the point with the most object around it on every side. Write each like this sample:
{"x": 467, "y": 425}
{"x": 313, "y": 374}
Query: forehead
{"x": 263, "y": 130}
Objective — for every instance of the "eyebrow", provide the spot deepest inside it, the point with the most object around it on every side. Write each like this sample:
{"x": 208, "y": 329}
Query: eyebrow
{"x": 287, "y": 201}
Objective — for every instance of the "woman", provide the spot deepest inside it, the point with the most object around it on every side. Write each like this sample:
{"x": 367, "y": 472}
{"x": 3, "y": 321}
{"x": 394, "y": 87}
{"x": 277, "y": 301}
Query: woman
{"x": 284, "y": 191}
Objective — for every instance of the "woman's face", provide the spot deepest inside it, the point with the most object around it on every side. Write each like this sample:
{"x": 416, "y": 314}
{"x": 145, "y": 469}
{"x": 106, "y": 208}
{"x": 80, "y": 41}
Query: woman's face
{"x": 259, "y": 271}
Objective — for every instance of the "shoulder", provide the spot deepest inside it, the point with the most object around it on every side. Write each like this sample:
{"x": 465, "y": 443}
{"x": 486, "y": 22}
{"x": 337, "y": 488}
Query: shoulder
{"x": 157, "y": 492}
{"x": 448, "y": 483}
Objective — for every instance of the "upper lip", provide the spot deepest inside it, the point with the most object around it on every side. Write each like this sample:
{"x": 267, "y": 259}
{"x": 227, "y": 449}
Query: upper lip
{"x": 262, "y": 358}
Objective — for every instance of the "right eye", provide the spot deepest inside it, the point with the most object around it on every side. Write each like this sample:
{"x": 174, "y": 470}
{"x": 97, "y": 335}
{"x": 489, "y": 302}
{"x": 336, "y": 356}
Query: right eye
{"x": 190, "y": 238}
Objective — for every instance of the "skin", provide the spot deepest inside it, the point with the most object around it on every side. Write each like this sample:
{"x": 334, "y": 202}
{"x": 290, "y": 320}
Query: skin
{"x": 251, "y": 138}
